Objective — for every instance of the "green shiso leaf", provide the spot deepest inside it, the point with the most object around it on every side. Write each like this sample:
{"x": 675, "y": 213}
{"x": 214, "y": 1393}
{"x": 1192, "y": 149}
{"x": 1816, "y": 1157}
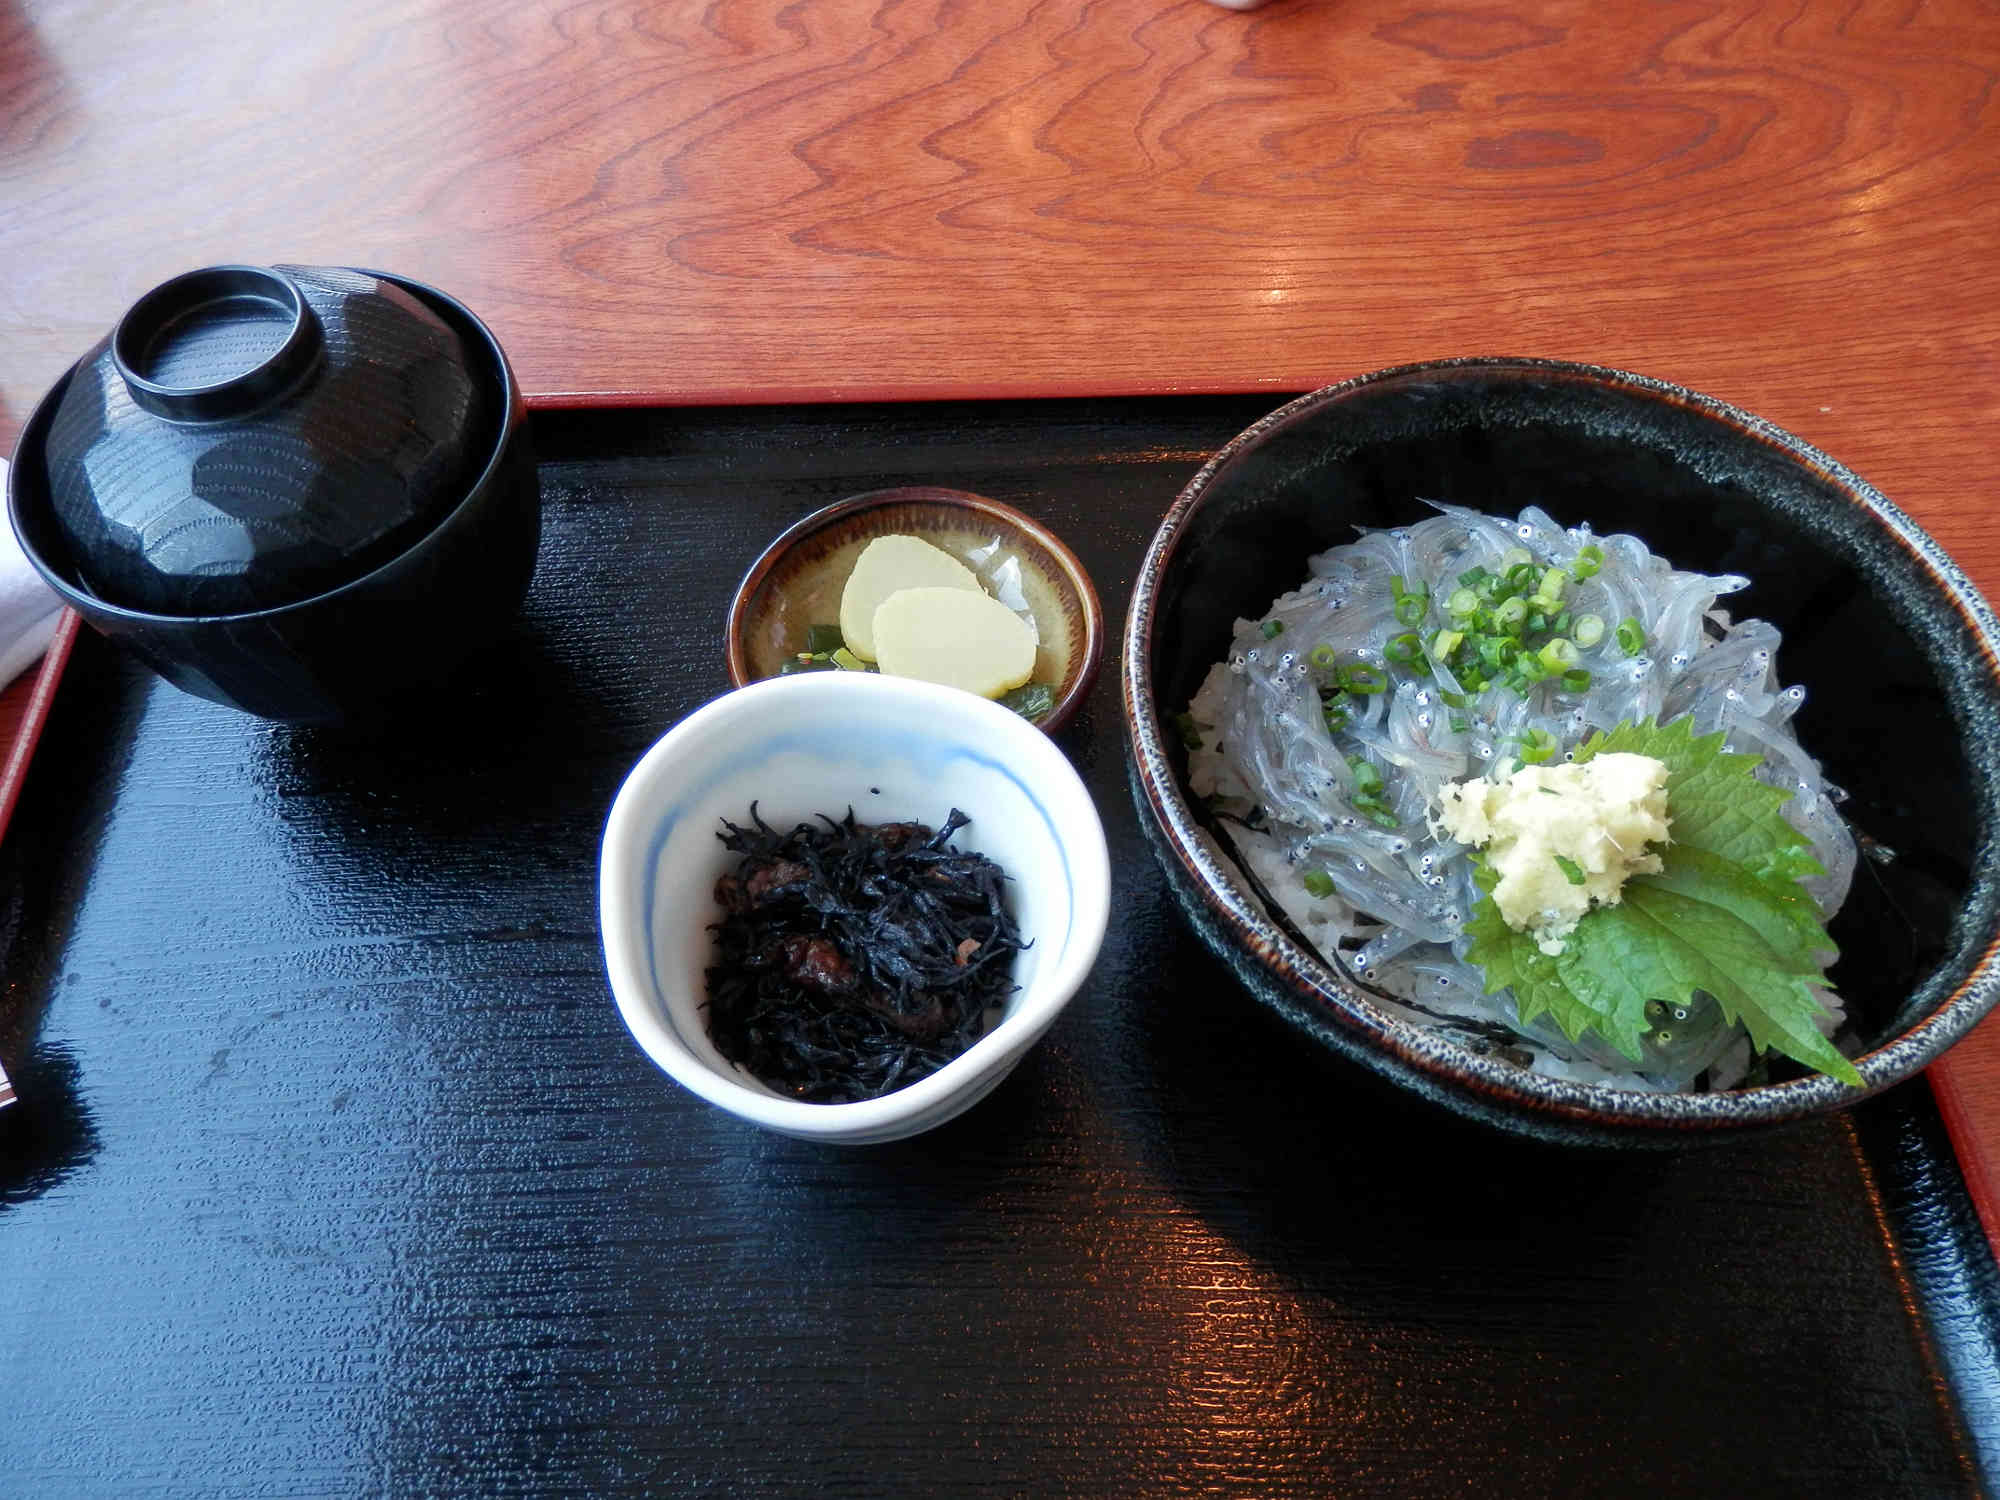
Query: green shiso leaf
{"x": 1726, "y": 916}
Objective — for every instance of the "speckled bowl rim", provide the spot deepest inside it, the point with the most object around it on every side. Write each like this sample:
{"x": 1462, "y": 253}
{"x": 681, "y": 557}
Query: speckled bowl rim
{"x": 1500, "y": 1092}
{"x": 1090, "y": 659}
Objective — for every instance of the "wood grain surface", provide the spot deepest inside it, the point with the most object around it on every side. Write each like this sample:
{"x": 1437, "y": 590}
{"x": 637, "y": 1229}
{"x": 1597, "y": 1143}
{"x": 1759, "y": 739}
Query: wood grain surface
{"x": 1794, "y": 206}
{"x": 1789, "y": 205}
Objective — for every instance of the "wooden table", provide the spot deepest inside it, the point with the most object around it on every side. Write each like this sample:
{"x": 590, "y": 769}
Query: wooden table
{"x": 1790, "y": 206}
{"x": 1793, "y": 207}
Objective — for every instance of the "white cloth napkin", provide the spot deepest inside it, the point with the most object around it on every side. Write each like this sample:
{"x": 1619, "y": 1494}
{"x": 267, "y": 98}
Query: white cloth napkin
{"x": 28, "y": 608}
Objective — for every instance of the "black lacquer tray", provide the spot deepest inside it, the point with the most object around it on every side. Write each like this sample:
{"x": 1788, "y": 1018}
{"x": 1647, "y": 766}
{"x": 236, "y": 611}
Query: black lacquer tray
{"x": 336, "y": 1173}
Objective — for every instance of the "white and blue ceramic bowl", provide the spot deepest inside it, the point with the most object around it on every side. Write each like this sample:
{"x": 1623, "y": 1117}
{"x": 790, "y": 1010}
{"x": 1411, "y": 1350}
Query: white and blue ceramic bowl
{"x": 893, "y": 750}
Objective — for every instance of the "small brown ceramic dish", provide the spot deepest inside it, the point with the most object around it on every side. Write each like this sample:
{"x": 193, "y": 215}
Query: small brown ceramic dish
{"x": 1893, "y": 645}
{"x": 796, "y": 584}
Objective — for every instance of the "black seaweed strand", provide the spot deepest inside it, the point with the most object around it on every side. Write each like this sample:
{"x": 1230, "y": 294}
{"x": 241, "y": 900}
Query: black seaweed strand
{"x": 853, "y": 960}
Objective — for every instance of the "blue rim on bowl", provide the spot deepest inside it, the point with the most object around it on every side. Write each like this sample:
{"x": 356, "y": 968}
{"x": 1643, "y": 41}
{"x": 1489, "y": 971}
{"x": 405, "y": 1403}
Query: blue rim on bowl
{"x": 890, "y": 749}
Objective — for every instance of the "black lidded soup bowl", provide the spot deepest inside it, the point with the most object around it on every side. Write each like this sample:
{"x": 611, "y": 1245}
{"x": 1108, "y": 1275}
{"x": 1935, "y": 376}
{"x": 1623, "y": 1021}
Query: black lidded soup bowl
{"x": 303, "y": 492}
{"x": 1895, "y": 648}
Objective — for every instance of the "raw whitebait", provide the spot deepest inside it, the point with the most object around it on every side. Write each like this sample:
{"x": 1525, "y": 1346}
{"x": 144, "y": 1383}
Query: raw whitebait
{"x": 1327, "y": 733}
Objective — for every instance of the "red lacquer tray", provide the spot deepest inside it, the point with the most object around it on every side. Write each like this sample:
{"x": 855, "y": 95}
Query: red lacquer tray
{"x": 24, "y": 709}
{"x": 1966, "y": 1081}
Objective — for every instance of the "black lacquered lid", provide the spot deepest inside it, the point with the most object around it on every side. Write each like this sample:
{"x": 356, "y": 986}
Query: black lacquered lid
{"x": 248, "y": 437}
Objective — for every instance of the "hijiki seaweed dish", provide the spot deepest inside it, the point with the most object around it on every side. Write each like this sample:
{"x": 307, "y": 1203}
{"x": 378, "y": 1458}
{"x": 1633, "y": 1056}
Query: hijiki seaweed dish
{"x": 1535, "y": 789}
{"x": 853, "y": 959}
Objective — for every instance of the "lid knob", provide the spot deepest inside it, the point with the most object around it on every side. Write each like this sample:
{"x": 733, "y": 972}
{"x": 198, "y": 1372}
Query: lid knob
{"x": 215, "y": 343}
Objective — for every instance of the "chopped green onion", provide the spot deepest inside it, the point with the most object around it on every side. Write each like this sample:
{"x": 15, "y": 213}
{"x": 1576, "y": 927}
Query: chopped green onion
{"x": 1572, "y": 871}
{"x": 1359, "y": 677}
{"x": 1378, "y": 814}
{"x": 823, "y": 640}
{"x": 1463, "y": 602}
{"x": 1549, "y": 592}
{"x": 1560, "y": 624}
{"x": 1537, "y": 745}
{"x": 1323, "y": 656}
{"x": 1521, "y": 576}
{"x": 1514, "y": 557}
{"x": 1190, "y": 736}
{"x": 1589, "y": 560}
{"x": 1588, "y": 630}
{"x": 1318, "y": 884}
{"x": 1537, "y": 622}
{"x": 1032, "y": 701}
{"x": 847, "y": 661}
{"x": 1406, "y": 647}
{"x": 1631, "y": 636}
{"x": 1577, "y": 680}
{"x": 1559, "y": 654}
{"x": 1366, "y": 777}
{"x": 1471, "y": 578}
{"x": 1411, "y": 603}
{"x": 1459, "y": 724}
{"x": 1452, "y": 700}
{"x": 1273, "y": 629}
{"x": 1445, "y": 642}
{"x": 1511, "y": 615}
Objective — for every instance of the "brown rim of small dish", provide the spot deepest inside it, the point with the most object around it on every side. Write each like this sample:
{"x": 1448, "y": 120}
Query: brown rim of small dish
{"x": 1055, "y": 561}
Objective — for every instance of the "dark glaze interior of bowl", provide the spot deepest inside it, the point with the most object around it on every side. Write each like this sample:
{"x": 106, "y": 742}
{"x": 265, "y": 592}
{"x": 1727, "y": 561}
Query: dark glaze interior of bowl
{"x": 1879, "y": 628}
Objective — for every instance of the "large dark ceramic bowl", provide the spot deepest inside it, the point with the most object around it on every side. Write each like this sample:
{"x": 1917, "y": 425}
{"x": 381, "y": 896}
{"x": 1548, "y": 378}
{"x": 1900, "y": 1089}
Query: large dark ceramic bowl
{"x": 301, "y": 492}
{"x": 1895, "y": 648}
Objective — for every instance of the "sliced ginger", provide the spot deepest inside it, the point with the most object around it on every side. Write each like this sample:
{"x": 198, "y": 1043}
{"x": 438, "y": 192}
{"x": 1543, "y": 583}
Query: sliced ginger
{"x": 886, "y": 566}
{"x": 946, "y": 635}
